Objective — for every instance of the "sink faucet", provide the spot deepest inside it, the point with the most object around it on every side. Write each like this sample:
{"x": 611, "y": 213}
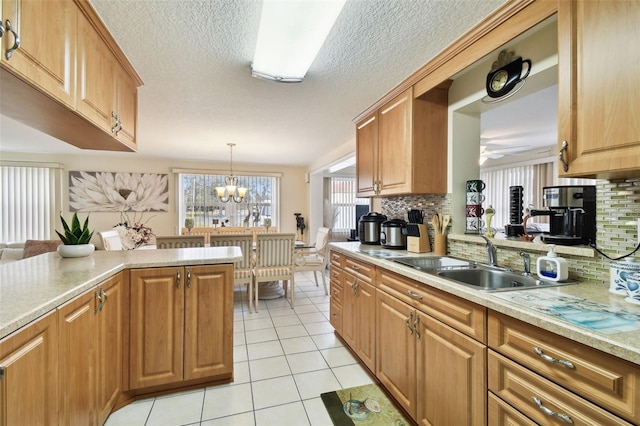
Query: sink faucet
{"x": 527, "y": 263}
{"x": 491, "y": 251}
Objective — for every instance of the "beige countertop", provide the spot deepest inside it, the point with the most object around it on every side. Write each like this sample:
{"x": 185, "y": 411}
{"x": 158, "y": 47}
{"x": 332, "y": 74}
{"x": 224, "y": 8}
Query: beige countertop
{"x": 625, "y": 345}
{"x": 31, "y": 287}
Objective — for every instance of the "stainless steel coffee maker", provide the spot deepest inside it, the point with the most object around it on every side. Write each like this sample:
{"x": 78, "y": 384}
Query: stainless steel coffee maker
{"x": 572, "y": 214}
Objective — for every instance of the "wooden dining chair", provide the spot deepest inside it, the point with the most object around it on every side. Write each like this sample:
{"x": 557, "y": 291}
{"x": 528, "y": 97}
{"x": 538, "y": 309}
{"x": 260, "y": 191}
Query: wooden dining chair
{"x": 232, "y": 230}
{"x": 110, "y": 240}
{"x": 275, "y": 262}
{"x": 243, "y": 269}
{"x": 198, "y": 231}
{"x": 315, "y": 259}
{"x": 179, "y": 241}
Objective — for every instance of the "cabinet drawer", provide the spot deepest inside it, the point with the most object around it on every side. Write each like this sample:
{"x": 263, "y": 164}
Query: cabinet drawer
{"x": 608, "y": 381}
{"x": 519, "y": 386}
{"x": 336, "y": 276}
{"x": 359, "y": 269}
{"x": 336, "y": 292}
{"x": 502, "y": 414}
{"x": 337, "y": 259}
{"x": 464, "y": 316}
{"x": 335, "y": 315}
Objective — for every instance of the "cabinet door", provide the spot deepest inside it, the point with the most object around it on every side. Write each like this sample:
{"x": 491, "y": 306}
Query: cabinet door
{"x": 451, "y": 371}
{"x": 109, "y": 356}
{"x": 367, "y": 155}
{"x": 208, "y": 345}
{"x": 29, "y": 383}
{"x": 502, "y": 414}
{"x": 349, "y": 318}
{"x": 77, "y": 366}
{"x": 126, "y": 107}
{"x": 156, "y": 326}
{"x": 394, "y": 145}
{"x": 396, "y": 350}
{"x": 365, "y": 320}
{"x": 96, "y": 81}
{"x": 46, "y": 56}
{"x": 598, "y": 100}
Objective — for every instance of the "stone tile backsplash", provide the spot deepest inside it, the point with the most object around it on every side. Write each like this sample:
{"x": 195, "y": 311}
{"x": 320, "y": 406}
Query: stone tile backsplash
{"x": 618, "y": 203}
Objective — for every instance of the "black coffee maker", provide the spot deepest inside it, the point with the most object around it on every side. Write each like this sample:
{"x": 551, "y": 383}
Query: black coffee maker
{"x": 572, "y": 214}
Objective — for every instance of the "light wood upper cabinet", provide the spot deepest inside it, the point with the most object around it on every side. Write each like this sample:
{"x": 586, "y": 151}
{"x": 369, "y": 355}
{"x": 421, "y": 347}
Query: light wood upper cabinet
{"x": 29, "y": 374}
{"x": 598, "y": 95}
{"x": 96, "y": 66}
{"x": 181, "y": 324}
{"x": 367, "y": 155}
{"x": 46, "y": 54}
{"x": 68, "y": 78}
{"x": 403, "y": 145}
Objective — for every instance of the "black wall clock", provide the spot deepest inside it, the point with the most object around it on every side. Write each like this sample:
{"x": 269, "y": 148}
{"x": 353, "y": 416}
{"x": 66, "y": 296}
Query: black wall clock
{"x": 503, "y": 78}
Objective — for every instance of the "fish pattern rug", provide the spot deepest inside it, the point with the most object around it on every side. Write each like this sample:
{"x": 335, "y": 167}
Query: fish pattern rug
{"x": 362, "y": 405}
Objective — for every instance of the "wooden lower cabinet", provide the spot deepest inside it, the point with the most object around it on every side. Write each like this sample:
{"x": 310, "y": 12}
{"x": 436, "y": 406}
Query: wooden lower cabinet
{"x": 437, "y": 374}
{"x": 502, "y": 414}
{"x": 29, "y": 374}
{"x": 396, "y": 350}
{"x": 451, "y": 372}
{"x": 358, "y": 318}
{"x": 181, "y": 324}
{"x": 90, "y": 354}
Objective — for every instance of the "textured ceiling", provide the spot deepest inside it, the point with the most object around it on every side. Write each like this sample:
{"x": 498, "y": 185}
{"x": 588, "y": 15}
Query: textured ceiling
{"x": 194, "y": 58}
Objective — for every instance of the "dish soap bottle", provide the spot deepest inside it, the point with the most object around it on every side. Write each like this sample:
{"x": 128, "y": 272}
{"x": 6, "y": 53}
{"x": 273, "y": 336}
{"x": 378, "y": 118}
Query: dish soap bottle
{"x": 551, "y": 267}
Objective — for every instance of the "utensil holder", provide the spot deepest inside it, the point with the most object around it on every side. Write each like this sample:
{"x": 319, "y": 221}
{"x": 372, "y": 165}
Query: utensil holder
{"x": 440, "y": 244}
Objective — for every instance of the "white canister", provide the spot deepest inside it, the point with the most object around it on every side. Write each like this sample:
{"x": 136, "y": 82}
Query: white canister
{"x": 618, "y": 273}
{"x": 633, "y": 288}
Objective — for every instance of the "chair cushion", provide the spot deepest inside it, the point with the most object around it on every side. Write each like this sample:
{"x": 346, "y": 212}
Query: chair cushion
{"x": 273, "y": 272}
{"x": 242, "y": 273}
{"x": 36, "y": 247}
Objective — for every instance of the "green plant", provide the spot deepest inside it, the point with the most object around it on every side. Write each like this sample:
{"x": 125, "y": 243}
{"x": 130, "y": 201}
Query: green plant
{"x": 74, "y": 234}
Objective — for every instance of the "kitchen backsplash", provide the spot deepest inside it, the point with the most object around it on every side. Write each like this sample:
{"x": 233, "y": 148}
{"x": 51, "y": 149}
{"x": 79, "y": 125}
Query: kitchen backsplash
{"x": 618, "y": 202}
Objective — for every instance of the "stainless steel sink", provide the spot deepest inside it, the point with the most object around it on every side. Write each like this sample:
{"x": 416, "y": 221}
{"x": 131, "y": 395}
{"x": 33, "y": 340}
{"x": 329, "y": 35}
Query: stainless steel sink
{"x": 496, "y": 280}
{"x": 432, "y": 263}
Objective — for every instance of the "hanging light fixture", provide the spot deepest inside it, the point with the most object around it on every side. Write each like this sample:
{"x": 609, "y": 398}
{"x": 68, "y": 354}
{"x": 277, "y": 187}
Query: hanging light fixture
{"x": 230, "y": 190}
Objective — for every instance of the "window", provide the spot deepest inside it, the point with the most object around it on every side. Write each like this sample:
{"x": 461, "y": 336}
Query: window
{"x": 197, "y": 199}
{"x": 343, "y": 201}
{"x": 29, "y": 193}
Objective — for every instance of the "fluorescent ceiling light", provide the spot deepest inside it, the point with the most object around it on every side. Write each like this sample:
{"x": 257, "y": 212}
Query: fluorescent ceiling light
{"x": 290, "y": 36}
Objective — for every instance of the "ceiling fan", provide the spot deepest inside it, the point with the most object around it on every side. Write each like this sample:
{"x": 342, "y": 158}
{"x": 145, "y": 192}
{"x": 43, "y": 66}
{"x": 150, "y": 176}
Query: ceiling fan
{"x": 494, "y": 152}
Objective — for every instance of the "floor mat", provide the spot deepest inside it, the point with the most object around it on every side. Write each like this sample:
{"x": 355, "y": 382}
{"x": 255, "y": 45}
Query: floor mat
{"x": 362, "y": 405}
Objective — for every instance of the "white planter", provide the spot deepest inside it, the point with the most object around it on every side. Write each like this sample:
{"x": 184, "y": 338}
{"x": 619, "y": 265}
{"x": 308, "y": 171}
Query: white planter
{"x": 79, "y": 250}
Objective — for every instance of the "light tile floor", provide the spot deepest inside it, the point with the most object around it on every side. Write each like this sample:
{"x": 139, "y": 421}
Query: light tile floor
{"x": 283, "y": 360}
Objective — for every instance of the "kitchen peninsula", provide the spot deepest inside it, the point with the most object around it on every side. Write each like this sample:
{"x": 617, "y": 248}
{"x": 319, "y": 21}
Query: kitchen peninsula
{"x": 423, "y": 336}
{"x": 81, "y": 336}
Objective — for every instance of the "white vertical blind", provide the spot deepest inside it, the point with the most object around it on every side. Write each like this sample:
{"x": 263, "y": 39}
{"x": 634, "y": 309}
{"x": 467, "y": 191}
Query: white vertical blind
{"x": 27, "y": 195}
{"x": 344, "y": 200}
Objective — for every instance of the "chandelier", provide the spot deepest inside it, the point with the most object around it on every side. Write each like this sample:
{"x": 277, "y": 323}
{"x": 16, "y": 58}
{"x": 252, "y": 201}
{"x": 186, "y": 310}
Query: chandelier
{"x": 230, "y": 190}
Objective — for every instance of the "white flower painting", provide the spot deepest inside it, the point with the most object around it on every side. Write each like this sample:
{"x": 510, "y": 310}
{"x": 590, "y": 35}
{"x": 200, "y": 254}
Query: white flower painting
{"x": 116, "y": 192}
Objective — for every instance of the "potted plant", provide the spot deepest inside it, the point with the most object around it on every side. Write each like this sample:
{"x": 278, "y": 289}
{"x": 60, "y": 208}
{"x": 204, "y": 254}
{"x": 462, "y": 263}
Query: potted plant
{"x": 76, "y": 240}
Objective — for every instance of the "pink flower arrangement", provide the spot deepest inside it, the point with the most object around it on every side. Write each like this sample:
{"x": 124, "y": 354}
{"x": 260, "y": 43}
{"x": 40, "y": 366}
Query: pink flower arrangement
{"x": 133, "y": 233}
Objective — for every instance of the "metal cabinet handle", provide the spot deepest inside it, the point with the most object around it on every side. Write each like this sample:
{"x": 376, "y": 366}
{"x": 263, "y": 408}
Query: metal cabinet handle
{"x": 549, "y": 358}
{"x": 16, "y": 41}
{"x": 355, "y": 267}
{"x": 565, "y": 165}
{"x": 408, "y": 322}
{"x": 179, "y": 278}
{"x": 1, "y": 29}
{"x": 550, "y": 412}
{"x": 414, "y": 295}
{"x": 116, "y": 123}
{"x": 188, "y": 278}
{"x": 356, "y": 287}
{"x": 1, "y": 372}
{"x": 416, "y": 326}
{"x": 105, "y": 298}
{"x": 98, "y": 296}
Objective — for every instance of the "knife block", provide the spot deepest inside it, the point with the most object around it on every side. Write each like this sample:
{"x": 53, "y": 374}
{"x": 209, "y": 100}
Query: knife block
{"x": 419, "y": 244}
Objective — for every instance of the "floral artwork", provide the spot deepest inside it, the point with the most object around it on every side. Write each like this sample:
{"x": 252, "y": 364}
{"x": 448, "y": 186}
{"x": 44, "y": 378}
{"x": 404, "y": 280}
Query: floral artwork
{"x": 118, "y": 192}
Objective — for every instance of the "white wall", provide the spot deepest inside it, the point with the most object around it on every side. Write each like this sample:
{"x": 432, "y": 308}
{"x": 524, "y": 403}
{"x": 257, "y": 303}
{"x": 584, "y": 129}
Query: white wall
{"x": 294, "y": 192}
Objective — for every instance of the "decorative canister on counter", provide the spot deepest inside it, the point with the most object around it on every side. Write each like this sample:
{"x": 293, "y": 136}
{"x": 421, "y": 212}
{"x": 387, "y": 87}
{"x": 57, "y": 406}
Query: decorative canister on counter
{"x": 619, "y": 272}
{"x": 633, "y": 288}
